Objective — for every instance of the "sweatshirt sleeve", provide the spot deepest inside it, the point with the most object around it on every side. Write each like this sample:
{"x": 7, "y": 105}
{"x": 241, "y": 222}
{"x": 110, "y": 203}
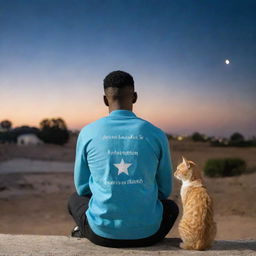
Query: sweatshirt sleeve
{"x": 164, "y": 171}
{"x": 81, "y": 169}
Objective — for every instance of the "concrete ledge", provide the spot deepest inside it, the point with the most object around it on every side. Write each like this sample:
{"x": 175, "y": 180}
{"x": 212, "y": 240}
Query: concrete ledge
{"x": 35, "y": 245}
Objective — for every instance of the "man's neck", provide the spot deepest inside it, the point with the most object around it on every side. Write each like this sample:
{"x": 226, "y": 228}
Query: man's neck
{"x": 119, "y": 107}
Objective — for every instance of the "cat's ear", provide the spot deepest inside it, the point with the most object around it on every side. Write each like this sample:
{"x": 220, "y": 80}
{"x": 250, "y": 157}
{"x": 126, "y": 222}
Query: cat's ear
{"x": 191, "y": 163}
{"x": 186, "y": 162}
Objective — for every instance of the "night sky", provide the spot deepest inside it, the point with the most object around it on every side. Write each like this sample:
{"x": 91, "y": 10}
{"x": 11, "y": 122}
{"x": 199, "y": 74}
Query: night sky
{"x": 54, "y": 56}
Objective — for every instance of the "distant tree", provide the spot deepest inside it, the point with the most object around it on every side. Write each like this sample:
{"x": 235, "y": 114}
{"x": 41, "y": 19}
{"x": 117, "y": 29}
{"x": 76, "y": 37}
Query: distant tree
{"x": 169, "y": 136}
{"x": 253, "y": 141}
{"x": 237, "y": 139}
{"x": 196, "y": 136}
{"x": 54, "y": 131}
{"x": 6, "y": 124}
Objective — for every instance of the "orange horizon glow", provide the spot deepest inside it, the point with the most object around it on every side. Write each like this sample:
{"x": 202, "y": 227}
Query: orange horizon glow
{"x": 179, "y": 120}
{"x": 170, "y": 108}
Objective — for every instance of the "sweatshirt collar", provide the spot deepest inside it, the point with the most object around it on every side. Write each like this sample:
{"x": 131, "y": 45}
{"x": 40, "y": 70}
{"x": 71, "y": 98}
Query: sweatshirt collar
{"x": 122, "y": 113}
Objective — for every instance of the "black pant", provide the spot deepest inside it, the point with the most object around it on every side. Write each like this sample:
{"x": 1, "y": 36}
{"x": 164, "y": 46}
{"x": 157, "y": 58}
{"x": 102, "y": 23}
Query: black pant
{"x": 77, "y": 205}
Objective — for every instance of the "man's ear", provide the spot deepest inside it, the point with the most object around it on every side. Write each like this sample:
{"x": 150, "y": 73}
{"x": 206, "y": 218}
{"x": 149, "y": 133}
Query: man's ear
{"x": 135, "y": 97}
{"x": 105, "y": 100}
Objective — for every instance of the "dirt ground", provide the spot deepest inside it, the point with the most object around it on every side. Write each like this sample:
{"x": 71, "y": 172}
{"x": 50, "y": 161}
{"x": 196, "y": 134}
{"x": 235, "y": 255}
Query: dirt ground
{"x": 35, "y": 203}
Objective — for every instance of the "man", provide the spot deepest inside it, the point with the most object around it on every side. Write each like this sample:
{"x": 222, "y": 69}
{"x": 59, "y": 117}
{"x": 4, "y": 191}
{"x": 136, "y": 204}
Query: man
{"x": 122, "y": 175}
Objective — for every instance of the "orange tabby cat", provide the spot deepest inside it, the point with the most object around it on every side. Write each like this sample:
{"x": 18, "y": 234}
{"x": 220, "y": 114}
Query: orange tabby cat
{"x": 197, "y": 228}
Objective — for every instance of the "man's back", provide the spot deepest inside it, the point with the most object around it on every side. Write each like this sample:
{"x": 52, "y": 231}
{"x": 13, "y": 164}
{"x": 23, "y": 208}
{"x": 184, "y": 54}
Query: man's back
{"x": 124, "y": 162}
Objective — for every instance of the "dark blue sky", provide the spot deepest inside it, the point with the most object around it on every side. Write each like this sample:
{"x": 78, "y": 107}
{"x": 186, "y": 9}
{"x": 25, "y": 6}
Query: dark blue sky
{"x": 175, "y": 50}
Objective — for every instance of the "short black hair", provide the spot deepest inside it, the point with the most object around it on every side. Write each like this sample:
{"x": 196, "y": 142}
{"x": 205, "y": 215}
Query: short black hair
{"x": 118, "y": 79}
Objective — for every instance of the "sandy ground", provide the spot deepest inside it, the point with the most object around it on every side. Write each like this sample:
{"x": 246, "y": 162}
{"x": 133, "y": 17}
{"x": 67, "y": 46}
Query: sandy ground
{"x": 35, "y": 203}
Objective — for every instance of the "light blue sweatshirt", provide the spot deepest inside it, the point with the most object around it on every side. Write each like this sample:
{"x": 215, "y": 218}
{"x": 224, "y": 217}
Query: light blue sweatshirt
{"x": 124, "y": 162}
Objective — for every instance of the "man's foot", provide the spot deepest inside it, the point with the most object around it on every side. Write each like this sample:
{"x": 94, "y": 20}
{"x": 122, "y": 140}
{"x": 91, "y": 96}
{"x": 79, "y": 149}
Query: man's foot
{"x": 76, "y": 232}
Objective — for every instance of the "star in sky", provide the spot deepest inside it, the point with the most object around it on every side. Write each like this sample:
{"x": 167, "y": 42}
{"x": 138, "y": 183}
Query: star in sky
{"x": 122, "y": 167}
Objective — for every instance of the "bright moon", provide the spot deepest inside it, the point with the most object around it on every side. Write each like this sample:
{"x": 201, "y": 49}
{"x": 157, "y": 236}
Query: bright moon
{"x": 227, "y": 62}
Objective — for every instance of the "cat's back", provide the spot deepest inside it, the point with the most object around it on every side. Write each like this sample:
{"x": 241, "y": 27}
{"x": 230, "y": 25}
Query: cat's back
{"x": 198, "y": 217}
{"x": 198, "y": 208}
{"x": 198, "y": 196}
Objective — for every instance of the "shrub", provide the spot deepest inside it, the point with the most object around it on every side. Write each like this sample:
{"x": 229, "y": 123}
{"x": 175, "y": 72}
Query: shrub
{"x": 224, "y": 167}
{"x": 169, "y": 136}
{"x": 8, "y": 137}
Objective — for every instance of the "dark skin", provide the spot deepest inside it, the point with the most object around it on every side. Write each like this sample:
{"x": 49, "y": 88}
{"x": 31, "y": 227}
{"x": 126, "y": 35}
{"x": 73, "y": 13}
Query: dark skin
{"x": 120, "y": 98}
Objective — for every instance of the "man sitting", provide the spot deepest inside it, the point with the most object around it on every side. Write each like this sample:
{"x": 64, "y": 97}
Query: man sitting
{"x": 122, "y": 175}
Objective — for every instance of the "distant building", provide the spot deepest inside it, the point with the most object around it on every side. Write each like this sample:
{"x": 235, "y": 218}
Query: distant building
{"x": 28, "y": 139}
{"x": 181, "y": 137}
